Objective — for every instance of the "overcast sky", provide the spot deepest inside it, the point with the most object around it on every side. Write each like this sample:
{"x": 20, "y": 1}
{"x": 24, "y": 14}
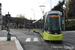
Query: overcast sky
{"x": 26, "y": 7}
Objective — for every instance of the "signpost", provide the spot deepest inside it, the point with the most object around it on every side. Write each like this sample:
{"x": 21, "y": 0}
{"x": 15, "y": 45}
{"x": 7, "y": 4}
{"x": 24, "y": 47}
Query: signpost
{"x": 8, "y": 35}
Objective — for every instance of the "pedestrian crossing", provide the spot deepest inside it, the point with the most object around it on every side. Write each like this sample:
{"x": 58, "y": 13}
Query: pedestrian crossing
{"x": 35, "y": 39}
{"x": 32, "y": 40}
{"x": 4, "y": 31}
{"x": 28, "y": 39}
{"x": 5, "y": 38}
{"x": 25, "y": 39}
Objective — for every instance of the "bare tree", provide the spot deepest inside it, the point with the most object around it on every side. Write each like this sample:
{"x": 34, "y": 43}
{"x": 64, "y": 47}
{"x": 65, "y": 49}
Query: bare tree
{"x": 21, "y": 20}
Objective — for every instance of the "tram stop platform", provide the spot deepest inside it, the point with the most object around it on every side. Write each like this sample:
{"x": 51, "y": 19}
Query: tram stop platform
{"x": 10, "y": 45}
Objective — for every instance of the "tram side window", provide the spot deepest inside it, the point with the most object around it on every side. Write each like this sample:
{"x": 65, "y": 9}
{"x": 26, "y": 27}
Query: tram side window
{"x": 49, "y": 23}
{"x": 46, "y": 25}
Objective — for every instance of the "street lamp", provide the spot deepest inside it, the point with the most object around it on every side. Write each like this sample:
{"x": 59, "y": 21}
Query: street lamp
{"x": 33, "y": 13}
{"x": 64, "y": 16}
{"x": 8, "y": 35}
{"x": 42, "y": 8}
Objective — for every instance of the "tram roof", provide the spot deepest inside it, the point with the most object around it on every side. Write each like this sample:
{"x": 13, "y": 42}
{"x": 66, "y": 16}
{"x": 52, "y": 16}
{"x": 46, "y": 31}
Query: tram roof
{"x": 53, "y": 12}
{"x": 50, "y": 12}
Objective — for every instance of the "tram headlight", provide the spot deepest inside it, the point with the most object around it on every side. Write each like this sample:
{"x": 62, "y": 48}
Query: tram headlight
{"x": 60, "y": 32}
{"x": 49, "y": 32}
{"x": 55, "y": 33}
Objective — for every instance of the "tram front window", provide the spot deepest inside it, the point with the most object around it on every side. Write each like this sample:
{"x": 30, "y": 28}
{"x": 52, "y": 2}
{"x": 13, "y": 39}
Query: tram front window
{"x": 53, "y": 24}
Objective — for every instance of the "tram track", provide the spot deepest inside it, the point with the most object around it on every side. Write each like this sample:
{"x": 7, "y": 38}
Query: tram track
{"x": 44, "y": 44}
{"x": 63, "y": 46}
{"x": 69, "y": 41}
{"x": 68, "y": 45}
{"x": 50, "y": 46}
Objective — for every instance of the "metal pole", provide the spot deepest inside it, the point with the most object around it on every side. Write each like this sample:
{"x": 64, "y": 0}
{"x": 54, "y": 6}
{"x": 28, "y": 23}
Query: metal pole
{"x": 8, "y": 35}
{"x": 42, "y": 14}
{"x": 64, "y": 18}
{"x": 33, "y": 13}
{"x": 67, "y": 18}
{"x": 50, "y": 5}
{"x": 8, "y": 26}
{"x": 24, "y": 24}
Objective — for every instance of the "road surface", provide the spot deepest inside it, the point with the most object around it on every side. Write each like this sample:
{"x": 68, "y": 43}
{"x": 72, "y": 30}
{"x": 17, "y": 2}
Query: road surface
{"x": 33, "y": 41}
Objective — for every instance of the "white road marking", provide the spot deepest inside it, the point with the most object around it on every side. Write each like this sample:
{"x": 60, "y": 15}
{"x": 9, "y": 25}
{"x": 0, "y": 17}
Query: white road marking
{"x": 70, "y": 47}
{"x": 4, "y": 31}
{"x": 31, "y": 31}
{"x": 2, "y": 39}
{"x": 42, "y": 39}
{"x": 35, "y": 39}
{"x": 28, "y": 40}
{"x": 5, "y": 38}
{"x": 18, "y": 45}
{"x": 67, "y": 47}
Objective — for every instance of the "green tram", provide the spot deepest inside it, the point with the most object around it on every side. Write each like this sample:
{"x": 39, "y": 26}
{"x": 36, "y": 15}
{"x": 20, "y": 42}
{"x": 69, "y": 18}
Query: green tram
{"x": 49, "y": 27}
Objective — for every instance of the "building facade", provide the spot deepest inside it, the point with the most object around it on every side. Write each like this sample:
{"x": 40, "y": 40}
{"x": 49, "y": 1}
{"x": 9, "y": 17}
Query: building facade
{"x": 0, "y": 17}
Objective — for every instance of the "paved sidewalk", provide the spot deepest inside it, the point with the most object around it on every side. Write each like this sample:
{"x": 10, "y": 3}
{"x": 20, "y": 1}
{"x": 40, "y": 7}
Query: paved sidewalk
{"x": 8, "y": 45}
{"x": 14, "y": 44}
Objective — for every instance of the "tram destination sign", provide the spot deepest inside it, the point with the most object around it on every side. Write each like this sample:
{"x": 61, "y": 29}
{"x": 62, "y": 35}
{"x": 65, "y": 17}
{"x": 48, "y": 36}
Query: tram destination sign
{"x": 54, "y": 16}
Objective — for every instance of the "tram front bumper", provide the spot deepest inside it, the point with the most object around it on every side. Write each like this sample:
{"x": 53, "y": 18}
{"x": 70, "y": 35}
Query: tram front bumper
{"x": 53, "y": 37}
{"x": 58, "y": 37}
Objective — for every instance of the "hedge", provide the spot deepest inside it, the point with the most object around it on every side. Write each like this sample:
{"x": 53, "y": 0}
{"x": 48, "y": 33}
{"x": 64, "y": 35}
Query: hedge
{"x": 70, "y": 27}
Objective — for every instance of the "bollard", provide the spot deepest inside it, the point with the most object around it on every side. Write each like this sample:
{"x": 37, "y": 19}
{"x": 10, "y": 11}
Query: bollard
{"x": 8, "y": 37}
